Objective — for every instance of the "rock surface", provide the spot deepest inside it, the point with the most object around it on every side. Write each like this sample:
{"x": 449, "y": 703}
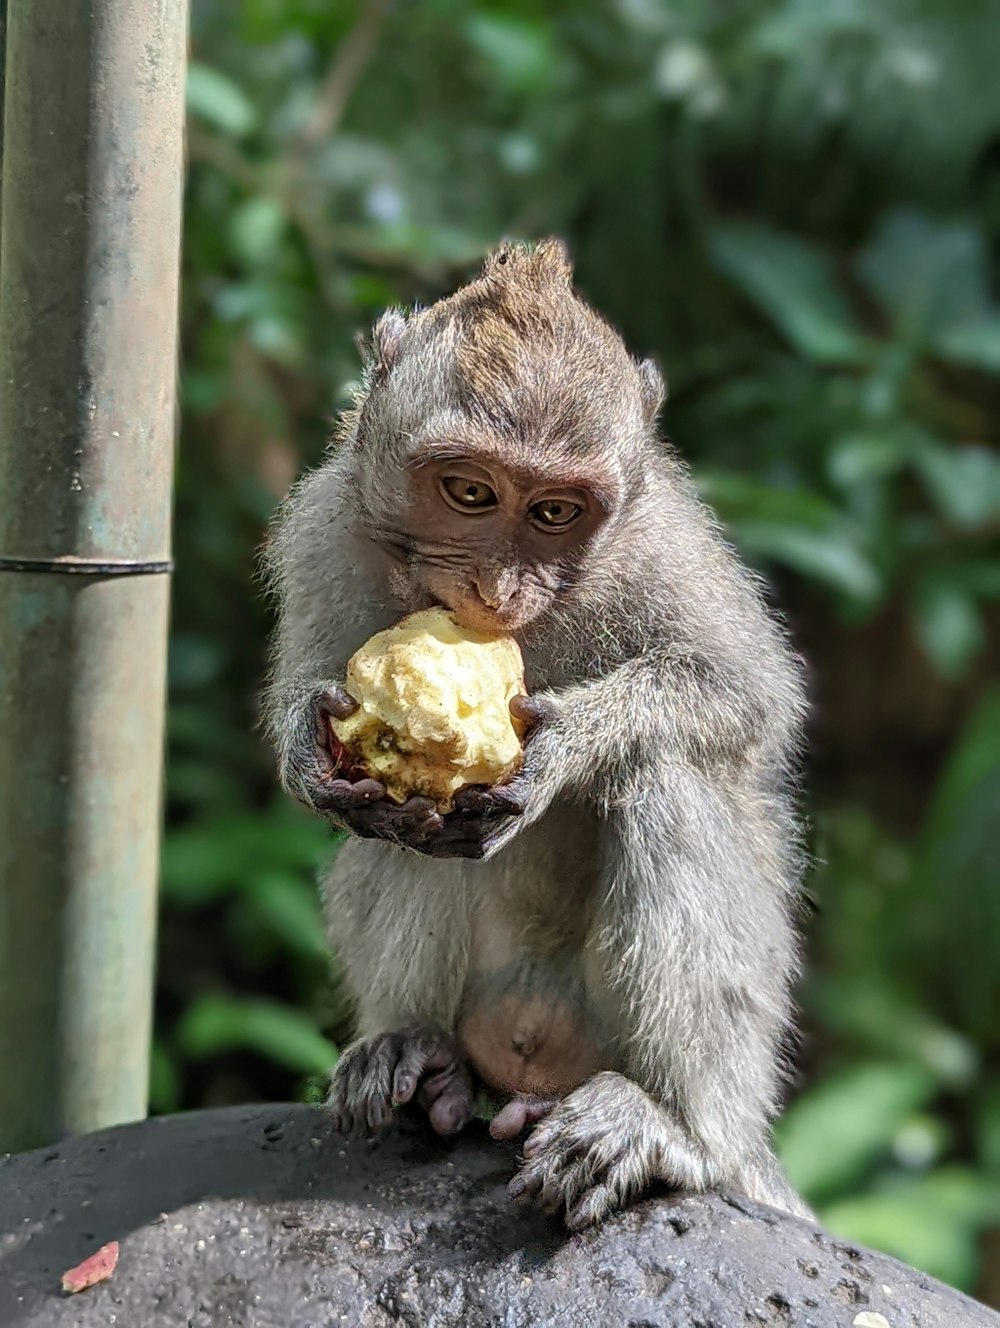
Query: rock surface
{"x": 263, "y": 1218}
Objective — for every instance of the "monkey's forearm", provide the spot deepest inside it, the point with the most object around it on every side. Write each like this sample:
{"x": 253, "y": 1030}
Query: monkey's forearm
{"x": 700, "y": 951}
{"x": 609, "y": 737}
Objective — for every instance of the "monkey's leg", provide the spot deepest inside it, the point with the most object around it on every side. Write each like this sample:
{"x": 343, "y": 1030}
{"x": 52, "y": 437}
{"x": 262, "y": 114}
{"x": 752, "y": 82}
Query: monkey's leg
{"x": 400, "y": 927}
{"x": 419, "y": 1063}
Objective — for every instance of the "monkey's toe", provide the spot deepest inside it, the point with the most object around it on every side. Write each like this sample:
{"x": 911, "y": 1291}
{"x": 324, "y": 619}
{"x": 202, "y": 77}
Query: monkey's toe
{"x": 596, "y": 1204}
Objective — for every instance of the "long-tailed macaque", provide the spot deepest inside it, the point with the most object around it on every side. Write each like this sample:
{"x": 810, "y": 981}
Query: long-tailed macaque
{"x": 604, "y": 945}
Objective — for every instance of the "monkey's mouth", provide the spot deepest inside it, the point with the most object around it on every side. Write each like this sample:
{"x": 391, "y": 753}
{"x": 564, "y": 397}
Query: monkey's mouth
{"x": 474, "y": 614}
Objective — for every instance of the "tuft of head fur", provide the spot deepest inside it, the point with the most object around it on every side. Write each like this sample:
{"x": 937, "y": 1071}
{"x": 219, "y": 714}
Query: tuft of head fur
{"x": 516, "y": 352}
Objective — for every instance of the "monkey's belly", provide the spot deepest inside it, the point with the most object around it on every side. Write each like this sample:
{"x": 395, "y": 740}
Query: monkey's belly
{"x": 524, "y": 1044}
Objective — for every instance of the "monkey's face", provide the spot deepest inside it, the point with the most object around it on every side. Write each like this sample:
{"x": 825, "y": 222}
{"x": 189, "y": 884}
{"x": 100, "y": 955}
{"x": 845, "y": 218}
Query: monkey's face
{"x": 495, "y": 542}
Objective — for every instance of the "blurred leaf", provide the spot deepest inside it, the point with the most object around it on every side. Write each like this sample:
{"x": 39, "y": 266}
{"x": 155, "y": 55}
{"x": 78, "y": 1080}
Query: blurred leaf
{"x": 256, "y": 229}
{"x": 202, "y": 862}
{"x": 964, "y": 481}
{"x": 829, "y": 1136}
{"x": 987, "y": 1127}
{"x": 215, "y": 1024}
{"x": 976, "y": 343}
{"x": 955, "y": 889}
{"x": 289, "y": 906}
{"x": 521, "y": 53}
{"x": 737, "y": 497}
{"x": 213, "y": 97}
{"x": 857, "y": 458}
{"x": 795, "y": 285}
{"x": 878, "y": 1016}
{"x": 949, "y": 623}
{"x": 929, "y": 276}
{"x": 830, "y": 556}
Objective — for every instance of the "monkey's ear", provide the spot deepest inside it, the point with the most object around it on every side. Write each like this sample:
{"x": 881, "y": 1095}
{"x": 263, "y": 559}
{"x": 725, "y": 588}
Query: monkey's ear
{"x": 652, "y": 388}
{"x": 387, "y": 336}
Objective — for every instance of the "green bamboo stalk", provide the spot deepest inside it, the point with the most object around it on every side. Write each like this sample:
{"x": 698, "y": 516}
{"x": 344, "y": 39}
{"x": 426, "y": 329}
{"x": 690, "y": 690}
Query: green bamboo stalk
{"x": 90, "y": 228}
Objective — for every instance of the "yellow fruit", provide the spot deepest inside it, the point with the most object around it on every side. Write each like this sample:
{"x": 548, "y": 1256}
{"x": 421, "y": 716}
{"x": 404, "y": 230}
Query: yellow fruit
{"x": 433, "y": 714}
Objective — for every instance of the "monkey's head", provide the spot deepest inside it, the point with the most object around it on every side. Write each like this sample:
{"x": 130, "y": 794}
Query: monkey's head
{"x": 500, "y": 440}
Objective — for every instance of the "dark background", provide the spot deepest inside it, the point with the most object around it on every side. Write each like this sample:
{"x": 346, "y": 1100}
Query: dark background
{"x": 796, "y": 208}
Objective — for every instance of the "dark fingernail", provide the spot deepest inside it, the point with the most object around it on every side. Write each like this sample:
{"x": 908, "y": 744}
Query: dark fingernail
{"x": 367, "y": 790}
{"x": 337, "y": 703}
{"x": 404, "y": 1088}
{"x": 517, "y": 1188}
{"x": 527, "y": 709}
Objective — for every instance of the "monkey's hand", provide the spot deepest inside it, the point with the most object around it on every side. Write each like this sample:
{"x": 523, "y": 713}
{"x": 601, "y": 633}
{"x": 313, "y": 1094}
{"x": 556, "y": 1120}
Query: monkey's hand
{"x": 485, "y": 817}
{"x": 347, "y": 798}
{"x": 598, "y": 1148}
{"x": 419, "y": 1063}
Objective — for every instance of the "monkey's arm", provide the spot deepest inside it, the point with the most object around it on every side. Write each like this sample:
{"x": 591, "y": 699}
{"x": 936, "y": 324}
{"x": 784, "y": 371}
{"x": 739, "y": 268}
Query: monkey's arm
{"x": 699, "y": 951}
{"x": 599, "y": 740}
{"x": 331, "y": 601}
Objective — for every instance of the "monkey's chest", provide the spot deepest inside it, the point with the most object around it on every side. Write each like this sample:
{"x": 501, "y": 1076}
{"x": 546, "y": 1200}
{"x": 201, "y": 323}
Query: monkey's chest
{"x": 529, "y": 1029}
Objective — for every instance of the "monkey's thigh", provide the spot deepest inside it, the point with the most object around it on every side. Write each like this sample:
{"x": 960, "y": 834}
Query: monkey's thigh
{"x": 399, "y": 926}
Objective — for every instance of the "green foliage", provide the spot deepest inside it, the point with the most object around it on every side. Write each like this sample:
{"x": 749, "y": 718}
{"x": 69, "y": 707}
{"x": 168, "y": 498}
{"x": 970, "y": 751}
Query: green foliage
{"x": 796, "y": 207}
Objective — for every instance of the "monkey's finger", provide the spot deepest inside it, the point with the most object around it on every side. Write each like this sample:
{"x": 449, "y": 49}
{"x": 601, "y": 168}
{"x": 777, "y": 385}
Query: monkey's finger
{"x": 339, "y": 794}
{"x": 365, "y": 791}
{"x": 461, "y": 836}
{"x": 531, "y": 710}
{"x": 335, "y": 703}
{"x": 420, "y": 814}
{"x": 500, "y": 799}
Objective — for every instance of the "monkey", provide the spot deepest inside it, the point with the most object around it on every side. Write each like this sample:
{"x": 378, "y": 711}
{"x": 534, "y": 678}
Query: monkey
{"x": 605, "y": 945}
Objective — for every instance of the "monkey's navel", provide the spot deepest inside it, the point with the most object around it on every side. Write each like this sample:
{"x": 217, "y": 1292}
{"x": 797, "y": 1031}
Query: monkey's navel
{"x": 524, "y": 1044}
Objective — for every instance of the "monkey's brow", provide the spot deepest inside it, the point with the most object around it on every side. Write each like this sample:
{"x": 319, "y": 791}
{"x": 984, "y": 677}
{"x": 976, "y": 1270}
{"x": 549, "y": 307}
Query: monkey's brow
{"x": 449, "y": 451}
{"x": 461, "y": 450}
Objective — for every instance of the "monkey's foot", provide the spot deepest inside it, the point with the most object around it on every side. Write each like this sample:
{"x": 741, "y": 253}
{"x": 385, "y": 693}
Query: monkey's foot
{"x": 419, "y": 1063}
{"x": 594, "y": 1151}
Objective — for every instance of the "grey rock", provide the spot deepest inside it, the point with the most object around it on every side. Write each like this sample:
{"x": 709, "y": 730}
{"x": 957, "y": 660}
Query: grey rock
{"x": 263, "y": 1218}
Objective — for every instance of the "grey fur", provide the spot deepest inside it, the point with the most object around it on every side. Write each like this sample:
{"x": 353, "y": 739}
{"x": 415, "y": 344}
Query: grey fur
{"x": 659, "y": 845}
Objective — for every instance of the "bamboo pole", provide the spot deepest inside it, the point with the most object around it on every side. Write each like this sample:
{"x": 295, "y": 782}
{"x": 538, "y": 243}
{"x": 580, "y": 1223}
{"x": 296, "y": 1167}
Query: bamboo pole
{"x": 89, "y": 243}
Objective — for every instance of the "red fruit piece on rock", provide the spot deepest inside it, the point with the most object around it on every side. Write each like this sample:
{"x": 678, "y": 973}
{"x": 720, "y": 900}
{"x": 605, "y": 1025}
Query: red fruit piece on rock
{"x": 97, "y": 1268}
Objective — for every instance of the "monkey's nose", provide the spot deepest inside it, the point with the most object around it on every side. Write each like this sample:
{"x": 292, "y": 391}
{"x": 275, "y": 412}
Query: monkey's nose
{"x": 496, "y": 589}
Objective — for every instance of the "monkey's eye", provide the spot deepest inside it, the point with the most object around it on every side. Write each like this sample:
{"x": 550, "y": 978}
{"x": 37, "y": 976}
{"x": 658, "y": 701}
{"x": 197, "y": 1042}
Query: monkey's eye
{"x": 555, "y": 513}
{"x": 468, "y": 495}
